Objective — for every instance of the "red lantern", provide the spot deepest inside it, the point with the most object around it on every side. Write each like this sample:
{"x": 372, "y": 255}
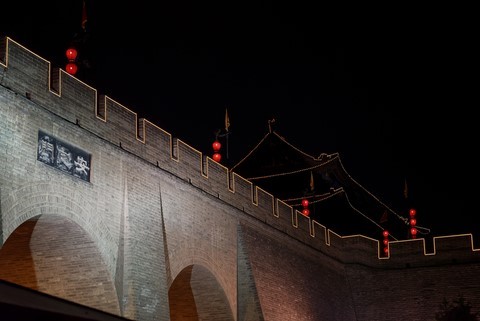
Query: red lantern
{"x": 306, "y": 212}
{"x": 305, "y": 202}
{"x": 71, "y": 54}
{"x": 71, "y": 68}
{"x": 216, "y": 146}
{"x": 385, "y": 241}
{"x": 413, "y": 221}
{"x": 412, "y": 212}
{"x": 217, "y": 157}
{"x": 413, "y": 231}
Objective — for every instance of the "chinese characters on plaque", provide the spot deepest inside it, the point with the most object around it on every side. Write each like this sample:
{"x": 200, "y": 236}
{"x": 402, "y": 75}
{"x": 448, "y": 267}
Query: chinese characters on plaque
{"x": 63, "y": 156}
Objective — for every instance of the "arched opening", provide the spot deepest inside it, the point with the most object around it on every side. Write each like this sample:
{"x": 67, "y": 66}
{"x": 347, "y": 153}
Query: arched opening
{"x": 54, "y": 255}
{"x": 195, "y": 295}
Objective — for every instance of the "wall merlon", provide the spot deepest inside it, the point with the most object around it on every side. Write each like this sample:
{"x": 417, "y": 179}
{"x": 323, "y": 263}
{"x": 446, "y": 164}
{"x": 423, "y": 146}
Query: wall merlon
{"x": 265, "y": 201}
{"x": 284, "y": 212}
{"x": 158, "y": 144}
{"x": 120, "y": 125}
{"x": 302, "y": 230}
{"x": 359, "y": 249}
{"x": 401, "y": 249}
{"x": 243, "y": 188}
{"x": 190, "y": 163}
{"x": 455, "y": 248}
{"x": 282, "y": 218}
{"x": 319, "y": 232}
{"x": 75, "y": 101}
{"x": 218, "y": 177}
{"x": 462, "y": 242}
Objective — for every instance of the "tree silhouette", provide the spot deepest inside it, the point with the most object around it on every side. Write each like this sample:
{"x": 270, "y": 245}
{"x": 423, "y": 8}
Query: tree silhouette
{"x": 458, "y": 310}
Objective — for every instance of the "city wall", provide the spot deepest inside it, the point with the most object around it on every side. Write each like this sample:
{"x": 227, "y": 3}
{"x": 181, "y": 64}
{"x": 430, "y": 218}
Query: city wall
{"x": 156, "y": 211}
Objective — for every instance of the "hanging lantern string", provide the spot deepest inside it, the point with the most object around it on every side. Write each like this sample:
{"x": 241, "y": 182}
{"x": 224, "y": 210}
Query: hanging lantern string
{"x": 289, "y": 173}
{"x": 340, "y": 190}
{"x": 316, "y": 198}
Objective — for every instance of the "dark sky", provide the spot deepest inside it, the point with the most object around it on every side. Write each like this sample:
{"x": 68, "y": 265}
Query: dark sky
{"x": 390, "y": 88}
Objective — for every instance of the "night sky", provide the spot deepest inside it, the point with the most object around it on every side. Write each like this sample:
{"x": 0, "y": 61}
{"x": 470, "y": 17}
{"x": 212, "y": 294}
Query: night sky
{"x": 390, "y": 88}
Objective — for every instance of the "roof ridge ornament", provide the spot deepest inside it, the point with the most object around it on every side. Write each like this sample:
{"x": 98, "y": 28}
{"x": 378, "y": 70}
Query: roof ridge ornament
{"x": 270, "y": 122}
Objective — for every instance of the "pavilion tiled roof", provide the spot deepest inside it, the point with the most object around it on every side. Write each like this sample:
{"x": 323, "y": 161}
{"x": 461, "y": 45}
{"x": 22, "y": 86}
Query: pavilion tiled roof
{"x": 336, "y": 200}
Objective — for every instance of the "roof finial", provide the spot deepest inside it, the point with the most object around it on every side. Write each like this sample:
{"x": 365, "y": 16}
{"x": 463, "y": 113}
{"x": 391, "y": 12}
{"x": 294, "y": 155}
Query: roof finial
{"x": 270, "y": 122}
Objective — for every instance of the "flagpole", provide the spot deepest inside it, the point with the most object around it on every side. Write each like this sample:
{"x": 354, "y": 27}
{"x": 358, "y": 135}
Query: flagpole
{"x": 227, "y": 125}
{"x": 84, "y": 17}
{"x": 226, "y": 138}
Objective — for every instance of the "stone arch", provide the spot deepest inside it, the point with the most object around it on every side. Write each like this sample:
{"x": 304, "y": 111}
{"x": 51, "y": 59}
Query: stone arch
{"x": 196, "y": 295}
{"x": 54, "y": 255}
{"x": 46, "y": 198}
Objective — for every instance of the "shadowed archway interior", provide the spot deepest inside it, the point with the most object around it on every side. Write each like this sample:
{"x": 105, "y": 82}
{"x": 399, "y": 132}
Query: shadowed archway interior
{"x": 52, "y": 254}
{"x": 195, "y": 295}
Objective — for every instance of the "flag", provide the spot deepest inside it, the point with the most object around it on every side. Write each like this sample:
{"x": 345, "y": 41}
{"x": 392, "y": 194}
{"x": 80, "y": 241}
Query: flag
{"x": 84, "y": 16}
{"x": 405, "y": 190}
{"x": 312, "y": 183}
{"x": 384, "y": 217}
{"x": 227, "y": 120}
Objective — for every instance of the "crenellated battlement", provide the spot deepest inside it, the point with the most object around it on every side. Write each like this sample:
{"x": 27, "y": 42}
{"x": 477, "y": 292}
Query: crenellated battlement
{"x": 27, "y": 74}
